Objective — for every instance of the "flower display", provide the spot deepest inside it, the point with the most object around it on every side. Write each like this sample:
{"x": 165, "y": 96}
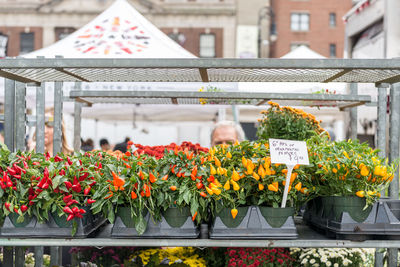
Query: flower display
{"x": 347, "y": 168}
{"x": 332, "y": 257}
{"x": 183, "y": 256}
{"x": 288, "y": 123}
{"x": 259, "y": 257}
{"x": 158, "y": 151}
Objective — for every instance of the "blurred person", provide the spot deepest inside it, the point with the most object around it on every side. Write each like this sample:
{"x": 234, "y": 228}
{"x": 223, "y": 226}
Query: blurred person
{"x": 226, "y": 132}
{"x": 122, "y": 146}
{"x": 87, "y": 145}
{"x": 49, "y": 134}
{"x": 104, "y": 145}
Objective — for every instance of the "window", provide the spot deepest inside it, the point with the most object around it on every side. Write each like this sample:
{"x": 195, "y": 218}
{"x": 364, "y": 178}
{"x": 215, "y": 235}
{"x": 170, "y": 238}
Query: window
{"x": 332, "y": 20}
{"x": 26, "y": 42}
{"x": 293, "y": 46}
{"x": 332, "y": 50}
{"x": 62, "y": 32}
{"x": 299, "y": 22}
{"x": 178, "y": 37}
{"x": 207, "y": 45}
{"x": 3, "y": 45}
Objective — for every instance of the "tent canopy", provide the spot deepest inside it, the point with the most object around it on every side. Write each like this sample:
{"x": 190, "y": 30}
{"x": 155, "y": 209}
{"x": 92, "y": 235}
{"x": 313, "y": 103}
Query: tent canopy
{"x": 118, "y": 32}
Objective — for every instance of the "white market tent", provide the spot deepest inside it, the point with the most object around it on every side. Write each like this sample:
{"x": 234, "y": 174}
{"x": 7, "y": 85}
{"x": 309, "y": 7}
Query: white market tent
{"x": 122, "y": 32}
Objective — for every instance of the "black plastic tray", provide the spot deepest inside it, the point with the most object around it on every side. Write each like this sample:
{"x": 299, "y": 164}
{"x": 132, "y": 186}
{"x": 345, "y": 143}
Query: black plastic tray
{"x": 253, "y": 226}
{"x": 383, "y": 222}
{"x": 86, "y": 227}
{"x": 155, "y": 229}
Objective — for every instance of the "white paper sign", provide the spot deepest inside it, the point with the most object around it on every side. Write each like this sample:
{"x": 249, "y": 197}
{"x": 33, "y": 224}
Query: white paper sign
{"x": 288, "y": 152}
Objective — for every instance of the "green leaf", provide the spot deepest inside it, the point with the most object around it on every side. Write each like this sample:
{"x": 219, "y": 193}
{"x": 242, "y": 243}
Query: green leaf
{"x": 110, "y": 215}
{"x": 20, "y": 219}
{"x": 56, "y": 181}
{"x": 186, "y": 196}
{"x": 141, "y": 225}
{"x": 74, "y": 227}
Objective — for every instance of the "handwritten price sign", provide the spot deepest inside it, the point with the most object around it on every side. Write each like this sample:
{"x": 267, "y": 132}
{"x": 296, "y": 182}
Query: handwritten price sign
{"x": 290, "y": 153}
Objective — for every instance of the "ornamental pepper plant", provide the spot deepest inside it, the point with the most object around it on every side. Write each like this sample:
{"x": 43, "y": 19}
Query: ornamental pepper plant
{"x": 181, "y": 183}
{"x": 242, "y": 175}
{"x": 127, "y": 181}
{"x": 348, "y": 168}
{"x": 36, "y": 185}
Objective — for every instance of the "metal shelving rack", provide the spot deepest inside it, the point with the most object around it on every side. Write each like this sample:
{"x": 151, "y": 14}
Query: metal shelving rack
{"x": 384, "y": 73}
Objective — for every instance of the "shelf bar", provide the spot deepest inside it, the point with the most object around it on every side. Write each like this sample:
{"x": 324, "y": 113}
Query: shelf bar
{"x": 15, "y": 77}
{"x": 40, "y": 117}
{"x": 57, "y": 139}
{"x": 9, "y": 114}
{"x": 204, "y": 75}
{"x": 334, "y": 77}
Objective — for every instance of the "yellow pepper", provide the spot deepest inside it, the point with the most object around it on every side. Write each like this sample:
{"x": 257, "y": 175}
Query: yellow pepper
{"x": 227, "y": 186}
{"x": 229, "y": 155}
{"x": 298, "y": 186}
{"x": 213, "y": 171}
{"x": 217, "y": 162}
{"x": 209, "y": 191}
{"x": 234, "y": 212}
{"x": 236, "y": 187}
{"x": 260, "y": 187}
{"x": 235, "y": 176}
{"x": 360, "y": 193}
{"x": 244, "y": 162}
{"x": 261, "y": 171}
{"x": 364, "y": 171}
{"x": 255, "y": 176}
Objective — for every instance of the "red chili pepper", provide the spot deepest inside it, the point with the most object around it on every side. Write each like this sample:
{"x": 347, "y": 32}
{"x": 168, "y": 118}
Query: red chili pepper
{"x": 25, "y": 165}
{"x": 47, "y": 156}
{"x": 93, "y": 183}
{"x": 141, "y": 175}
{"x": 7, "y": 205}
{"x": 11, "y": 171}
{"x": 68, "y": 184}
{"x": 77, "y": 188}
{"x": 86, "y": 191}
{"x": 16, "y": 209}
{"x": 75, "y": 181}
{"x": 35, "y": 163}
{"x": 194, "y": 216}
{"x": 68, "y": 210}
{"x": 57, "y": 158}
{"x": 24, "y": 208}
{"x": 133, "y": 195}
{"x": 70, "y": 217}
{"x": 146, "y": 189}
{"x": 193, "y": 177}
{"x": 46, "y": 172}
{"x": 69, "y": 161}
{"x": 210, "y": 179}
{"x": 84, "y": 176}
{"x": 2, "y": 185}
{"x": 45, "y": 185}
{"x": 31, "y": 203}
{"x": 199, "y": 185}
{"x": 91, "y": 201}
{"x": 67, "y": 198}
{"x": 62, "y": 172}
{"x": 82, "y": 211}
{"x": 75, "y": 209}
{"x": 17, "y": 176}
{"x": 203, "y": 194}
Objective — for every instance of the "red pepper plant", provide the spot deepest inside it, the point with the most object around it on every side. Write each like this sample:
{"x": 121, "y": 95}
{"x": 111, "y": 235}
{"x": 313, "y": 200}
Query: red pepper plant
{"x": 33, "y": 184}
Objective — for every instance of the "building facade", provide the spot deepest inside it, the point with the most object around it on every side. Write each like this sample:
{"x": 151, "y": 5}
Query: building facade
{"x": 316, "y": 24}
{"x": 206, "y": 28}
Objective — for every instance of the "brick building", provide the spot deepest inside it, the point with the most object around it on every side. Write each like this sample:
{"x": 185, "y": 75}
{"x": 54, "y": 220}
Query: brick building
{"x": 314, "y": 23}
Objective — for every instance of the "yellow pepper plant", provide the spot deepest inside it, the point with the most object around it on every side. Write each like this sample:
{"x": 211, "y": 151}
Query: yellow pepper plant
{"x": 348, "y": 168}
{"x": 242, "y": 175}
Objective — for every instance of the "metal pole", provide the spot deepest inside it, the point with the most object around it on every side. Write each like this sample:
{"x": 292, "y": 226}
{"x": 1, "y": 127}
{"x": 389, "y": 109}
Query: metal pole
{"x": 58, "y": 94}
{"x": 20, "y": 116}
{"x": 19, "y": 257}
{"x": 40, "y": 119}
{"x": 8, "y": 256}
{"x": 235, "y": 113}
{"x": 9, "y": 113}
{"x": 77, "y": 121}
{"x": 39, "y": 256}
{"x": 394, "y": 134}
{"x": 381, "y": 131}
{"x": 55, "y": 256}
{"x": 353, "y": 114}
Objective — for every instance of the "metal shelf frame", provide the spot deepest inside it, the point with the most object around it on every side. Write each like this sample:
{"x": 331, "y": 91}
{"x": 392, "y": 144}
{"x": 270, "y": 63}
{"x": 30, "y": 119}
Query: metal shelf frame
{"x": 384, "y": 73}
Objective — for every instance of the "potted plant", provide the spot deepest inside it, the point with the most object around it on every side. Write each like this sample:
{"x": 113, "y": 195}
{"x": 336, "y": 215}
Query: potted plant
{"x": 37, "y": 186}
{"x": 348, "y": 175}
{"x": 242, "y": 176}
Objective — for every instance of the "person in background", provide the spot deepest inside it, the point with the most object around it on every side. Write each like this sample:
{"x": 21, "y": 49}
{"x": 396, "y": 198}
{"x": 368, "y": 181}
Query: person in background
{"x": 88, "y": 145}
{"x": 104, "y": 145}
{"x": 122, "y": 146}
{"x": 226, "y": 132}
{"x": 49, "y": 135}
